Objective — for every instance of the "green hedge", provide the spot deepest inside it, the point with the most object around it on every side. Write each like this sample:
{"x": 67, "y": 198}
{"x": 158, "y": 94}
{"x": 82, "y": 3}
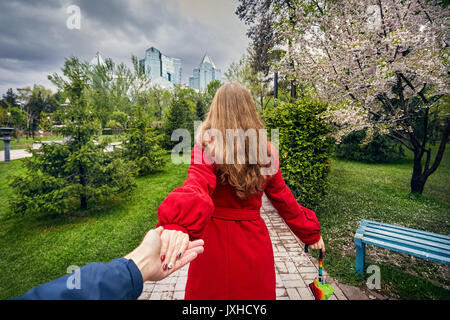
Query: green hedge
{"x": 304, "y": 150}
{"x": 380, "y": 149}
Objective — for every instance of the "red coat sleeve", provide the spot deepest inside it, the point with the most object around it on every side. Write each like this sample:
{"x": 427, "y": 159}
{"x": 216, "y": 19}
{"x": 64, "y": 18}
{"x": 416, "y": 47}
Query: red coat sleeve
{"x": 302, "y": 221}
{"x": 189, "y": 207}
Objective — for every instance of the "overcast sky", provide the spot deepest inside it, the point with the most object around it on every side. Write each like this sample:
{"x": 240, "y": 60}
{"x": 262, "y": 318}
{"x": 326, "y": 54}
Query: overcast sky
{"x": 35, "y": 39}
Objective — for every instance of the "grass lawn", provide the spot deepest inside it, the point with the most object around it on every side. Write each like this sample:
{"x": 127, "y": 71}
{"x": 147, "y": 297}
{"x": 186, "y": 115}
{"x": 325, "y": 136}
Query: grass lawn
{"x": 37, "y": 249}
{"x": 380, "y": 192}
{"x": 27, "y": 142}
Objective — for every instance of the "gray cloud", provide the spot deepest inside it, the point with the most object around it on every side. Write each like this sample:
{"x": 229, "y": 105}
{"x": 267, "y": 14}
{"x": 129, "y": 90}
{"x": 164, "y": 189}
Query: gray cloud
{"x": 34, "y": 39}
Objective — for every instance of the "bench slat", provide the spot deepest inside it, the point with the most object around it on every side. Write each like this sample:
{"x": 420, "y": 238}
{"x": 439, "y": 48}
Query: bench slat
{"x": 417, "y": 253}
{"x": 413, "y": 234}
{"x": 407, "y": 244}
{"x": 440, "y": 237}
{"x": 410, "y": 237}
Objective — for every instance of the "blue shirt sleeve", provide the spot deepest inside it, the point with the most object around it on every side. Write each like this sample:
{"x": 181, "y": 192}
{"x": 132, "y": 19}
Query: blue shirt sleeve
{"x": 120, "y": 279}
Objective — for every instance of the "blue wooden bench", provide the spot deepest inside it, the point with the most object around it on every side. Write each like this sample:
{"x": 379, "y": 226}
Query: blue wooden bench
{"x": 426, "y": 245}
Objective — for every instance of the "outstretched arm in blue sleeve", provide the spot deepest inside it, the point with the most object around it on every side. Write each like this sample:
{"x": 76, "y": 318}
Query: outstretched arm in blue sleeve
{"x": 118, "y": 279}
{"x": 121, "y": 278}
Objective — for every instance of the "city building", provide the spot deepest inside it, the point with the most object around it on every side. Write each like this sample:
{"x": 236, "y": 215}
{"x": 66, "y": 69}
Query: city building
{"x": 97, "y": 60}
{"x": 205, "y": 73}
{"x": 161, "y": 69}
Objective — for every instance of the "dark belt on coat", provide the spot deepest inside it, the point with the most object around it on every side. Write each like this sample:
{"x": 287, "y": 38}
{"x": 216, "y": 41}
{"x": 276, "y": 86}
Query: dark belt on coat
{"x": 236, "y": 214}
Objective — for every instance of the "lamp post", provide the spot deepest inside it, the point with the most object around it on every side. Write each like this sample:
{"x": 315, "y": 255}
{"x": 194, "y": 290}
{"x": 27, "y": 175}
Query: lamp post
{"x": 275, "y": 88}
{"x": 6, "y": 133}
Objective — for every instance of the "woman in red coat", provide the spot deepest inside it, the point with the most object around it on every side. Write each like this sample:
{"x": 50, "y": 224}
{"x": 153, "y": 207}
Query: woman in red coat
{"x": 220, "y": 202}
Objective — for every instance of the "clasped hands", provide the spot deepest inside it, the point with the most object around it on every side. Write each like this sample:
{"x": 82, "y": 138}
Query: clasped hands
{"x": 163, "y": 252}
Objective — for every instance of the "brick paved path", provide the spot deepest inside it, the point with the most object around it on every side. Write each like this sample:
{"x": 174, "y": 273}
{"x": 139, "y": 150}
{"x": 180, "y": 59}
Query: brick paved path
{"x": 294, "y": 268}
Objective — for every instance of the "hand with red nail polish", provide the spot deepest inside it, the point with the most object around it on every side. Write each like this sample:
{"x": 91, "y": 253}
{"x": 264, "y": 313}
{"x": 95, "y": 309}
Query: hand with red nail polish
{"x": 153, "y": 263}
{"x": 174, "y": 244}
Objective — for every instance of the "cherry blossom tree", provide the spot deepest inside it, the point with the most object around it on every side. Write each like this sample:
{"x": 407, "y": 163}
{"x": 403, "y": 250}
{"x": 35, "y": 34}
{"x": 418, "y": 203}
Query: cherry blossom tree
{"x": 382, "y": 64}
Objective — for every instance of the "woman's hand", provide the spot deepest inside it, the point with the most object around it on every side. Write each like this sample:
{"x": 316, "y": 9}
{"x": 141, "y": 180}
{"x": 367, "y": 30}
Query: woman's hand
{"x": 173, "y": 245}
{"x": 147, "y": 256}
{"x": 318, "y": 245}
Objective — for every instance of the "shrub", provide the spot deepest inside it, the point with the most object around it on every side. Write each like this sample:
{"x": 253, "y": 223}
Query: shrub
{"x": 142, "y": 145}
{"x": 379, "y": 149}
{"x": 304, "y": 149}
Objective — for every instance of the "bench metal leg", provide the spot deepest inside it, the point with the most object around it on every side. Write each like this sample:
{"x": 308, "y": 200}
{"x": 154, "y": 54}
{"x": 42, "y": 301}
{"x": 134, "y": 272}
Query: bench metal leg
{"x": 360, "y": 256}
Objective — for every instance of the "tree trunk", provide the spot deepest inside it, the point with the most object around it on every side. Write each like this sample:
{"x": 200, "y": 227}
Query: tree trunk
{"x": 417, "y": 179}
{"x": 83, "y": 202}
{"x": 293, "y": 91}
{"x": 83, "y": 198}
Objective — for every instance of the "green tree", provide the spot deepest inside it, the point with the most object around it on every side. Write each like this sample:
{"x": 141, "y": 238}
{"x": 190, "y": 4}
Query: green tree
{"x": 209, "y": 94}
{"x": 10, "y": 99}
{"x": 158, "y": 100}
{"x": 180, "y": 115}
{"x": 142, "y": 145}
{"x": 36, "y": 100}
{"x": 18, "y": 119}
{"x": 243, "y": 72}
{"x": 59, "y": 174}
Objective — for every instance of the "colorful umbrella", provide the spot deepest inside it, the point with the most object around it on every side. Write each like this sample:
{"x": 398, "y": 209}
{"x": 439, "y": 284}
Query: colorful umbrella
{"x": 320, "y": 289}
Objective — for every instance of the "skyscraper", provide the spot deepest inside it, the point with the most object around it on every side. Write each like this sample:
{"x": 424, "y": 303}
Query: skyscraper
{"x": 161, "y": 69}
{"x": 205, "y": 73}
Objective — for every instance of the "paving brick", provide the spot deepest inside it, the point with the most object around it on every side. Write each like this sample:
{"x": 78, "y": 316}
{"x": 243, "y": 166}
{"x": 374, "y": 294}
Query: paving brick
{"x": 155, "y": 296}
{"x": 181, "y": 283}
{"x": 308, "y": 270}
{"x": 291, "y": 267}
{"x": 285, "y": 234}
{"x": 290, "y": 276}
{"x": 169, "y": 280}
{"x": 282, "y": 259}
{"x": 281, "y": 267}
{"x": 308, "y": 277}
{"x": 280, "y": 254}
{"x": 163, "y": 287}
{"x": 178, "y": 295}
{"x": 291, "y": 245}
{"x": 145, "y": 295}
{"x": 353, "y": 293}
{"x": 148, "y": 286}
{"x": 280, "y": 292}
{"x": 293, "y": 294}
{"x": 338, "y": 293}
{"x": 305, "y": 293}
{"x": 294, "y": 284}
{"x": 167, "y": 295}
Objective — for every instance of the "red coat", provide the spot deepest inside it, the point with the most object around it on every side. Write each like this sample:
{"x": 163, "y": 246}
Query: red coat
{"x": 238, "y": 262}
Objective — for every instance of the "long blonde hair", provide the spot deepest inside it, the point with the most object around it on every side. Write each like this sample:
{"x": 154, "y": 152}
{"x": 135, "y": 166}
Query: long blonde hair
{"x": 233, "y": 108}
